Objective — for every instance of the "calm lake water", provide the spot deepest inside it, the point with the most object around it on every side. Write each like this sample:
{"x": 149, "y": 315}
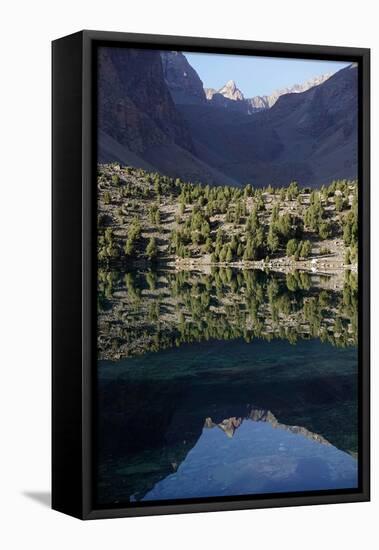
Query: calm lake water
{"x": 227, "y": 417}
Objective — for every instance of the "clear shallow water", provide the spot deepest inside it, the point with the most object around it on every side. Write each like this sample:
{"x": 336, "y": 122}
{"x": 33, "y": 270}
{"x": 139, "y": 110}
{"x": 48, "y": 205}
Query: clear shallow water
{"x": 153, "y": 439}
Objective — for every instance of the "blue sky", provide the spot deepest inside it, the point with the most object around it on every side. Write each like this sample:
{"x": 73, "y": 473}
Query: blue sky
{"x": 257, "y": 75}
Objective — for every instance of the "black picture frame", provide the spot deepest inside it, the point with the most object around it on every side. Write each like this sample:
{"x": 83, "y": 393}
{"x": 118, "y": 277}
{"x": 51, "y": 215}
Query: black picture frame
{"x": 74, "y": 269}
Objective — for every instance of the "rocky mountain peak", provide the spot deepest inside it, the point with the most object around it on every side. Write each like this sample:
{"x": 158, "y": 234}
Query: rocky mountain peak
{"x": 258, "y": 103}
{"x": 182, "y": 80}
{"x": 231, "y": 91}
{"x": 298, "y": 88}
{"x": 210, "y": 92}
{"x": 231, "y": 85}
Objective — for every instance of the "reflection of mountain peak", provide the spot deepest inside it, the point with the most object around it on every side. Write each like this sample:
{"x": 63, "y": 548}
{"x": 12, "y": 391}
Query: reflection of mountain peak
{"x": 230, "y": 425}
{"x": 141, "y": 446}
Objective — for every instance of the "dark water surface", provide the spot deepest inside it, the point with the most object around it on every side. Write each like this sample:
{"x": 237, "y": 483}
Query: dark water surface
{"x": 220, "y": 418}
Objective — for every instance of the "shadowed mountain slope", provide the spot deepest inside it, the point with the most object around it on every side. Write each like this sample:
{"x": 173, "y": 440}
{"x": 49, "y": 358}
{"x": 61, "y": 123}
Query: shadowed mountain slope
{"x": 310, "y": 137}
{"x": 153, "y": 114}
{"x": 182, "y": 80}
{"x": 138, "y": 122}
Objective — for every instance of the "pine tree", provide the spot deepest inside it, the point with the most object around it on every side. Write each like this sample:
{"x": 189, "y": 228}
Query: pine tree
{"x": 129, "y": 247}
{"x": 208, "y": 247}
{"x": 347, "y": 234}
{"x": 292, "y": 247}
{"x": 233, "y": 244}
{"x": 324, "y": 230}
{"x": 272, "y": 239}
{"x": 339, "y": 203}
{"x": 222, "y": 255}
{"x": 293, "y": 190}
{"x": 347, "y": 257}
{"x": 151, "y": 249}
{"x": 248, "y": 255}
{"x": 306, "y": 249}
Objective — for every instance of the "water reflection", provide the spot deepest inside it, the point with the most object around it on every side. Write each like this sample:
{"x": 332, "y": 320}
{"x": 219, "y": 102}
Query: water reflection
{"x": 224, "y": 417}
{"x": 148, "y": 311}
{"x": 257, "y": 458}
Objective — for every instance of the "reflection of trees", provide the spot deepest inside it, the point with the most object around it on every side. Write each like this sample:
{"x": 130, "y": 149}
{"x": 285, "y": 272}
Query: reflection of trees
{"x": 141, "y": 312}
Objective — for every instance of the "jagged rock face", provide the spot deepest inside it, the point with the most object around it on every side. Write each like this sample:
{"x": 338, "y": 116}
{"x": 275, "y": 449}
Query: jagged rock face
{"x": 230, "y": 91}
{"x": 257, "y": 103}
{"x": 210, "y": 92}
{"x": 227, "y": 97}
{"x": 182, "y": 80}
{"x": 219, "y": 100}
{"x": 138, "y": 122}
{"x": 298, "y": 88}
{"x": 134, "y": 105}
{"x": 228, "y": 94}
{"x": 321, "y": 111}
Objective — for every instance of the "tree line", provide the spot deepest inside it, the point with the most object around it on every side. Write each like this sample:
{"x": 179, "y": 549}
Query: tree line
{"x": 228, "y": 223}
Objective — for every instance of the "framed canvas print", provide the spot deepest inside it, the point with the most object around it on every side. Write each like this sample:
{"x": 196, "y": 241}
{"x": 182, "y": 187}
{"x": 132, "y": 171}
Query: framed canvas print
{"x": 210, "y": 274}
